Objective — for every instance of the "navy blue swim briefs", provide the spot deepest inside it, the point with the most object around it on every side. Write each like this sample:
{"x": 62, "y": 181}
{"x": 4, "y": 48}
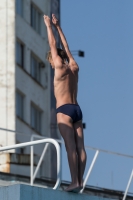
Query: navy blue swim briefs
{"x": 72, "y": 110}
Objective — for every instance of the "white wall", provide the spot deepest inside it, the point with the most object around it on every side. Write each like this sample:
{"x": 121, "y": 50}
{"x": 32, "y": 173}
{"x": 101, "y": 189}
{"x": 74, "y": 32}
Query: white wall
{"x": 7, "y": 71}
{"x": 12, "y": 77}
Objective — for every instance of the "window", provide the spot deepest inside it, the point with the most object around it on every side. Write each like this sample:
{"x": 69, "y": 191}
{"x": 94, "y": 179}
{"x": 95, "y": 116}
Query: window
{"x": 36, "y": 118}
{"x": 36, "y": 18}
{"x": 20, "y": 54}
{"x": 20, "y": 105}
{"x": 35, "y": 68}
{"x": 19, "y": 7}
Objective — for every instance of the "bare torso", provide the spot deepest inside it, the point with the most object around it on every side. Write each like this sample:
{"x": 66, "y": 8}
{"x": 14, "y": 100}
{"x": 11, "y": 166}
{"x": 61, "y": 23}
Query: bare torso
{"x": 66, "y": 85}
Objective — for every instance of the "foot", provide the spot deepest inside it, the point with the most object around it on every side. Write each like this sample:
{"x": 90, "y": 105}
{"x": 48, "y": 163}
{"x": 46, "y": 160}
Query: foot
{"x": 77, "y": 190}
{"x": 72, "y": 187}
{"x": 80, "y": 187}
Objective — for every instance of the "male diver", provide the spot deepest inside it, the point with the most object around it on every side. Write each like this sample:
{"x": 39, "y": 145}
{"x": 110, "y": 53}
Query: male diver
{"x": 69, "y": 114}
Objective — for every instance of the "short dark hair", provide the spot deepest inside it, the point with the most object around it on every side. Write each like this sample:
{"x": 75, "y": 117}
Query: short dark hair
{"x": 60, "y": 52}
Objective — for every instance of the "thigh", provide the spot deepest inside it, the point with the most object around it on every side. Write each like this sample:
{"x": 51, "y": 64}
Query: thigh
{"x": 66, "y": 129}
{"x": 79, "y": 136}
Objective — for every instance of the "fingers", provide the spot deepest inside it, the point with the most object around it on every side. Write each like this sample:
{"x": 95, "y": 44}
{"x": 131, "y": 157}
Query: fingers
{"x": 53, "y": 16}
{"x": 46, "y": 17}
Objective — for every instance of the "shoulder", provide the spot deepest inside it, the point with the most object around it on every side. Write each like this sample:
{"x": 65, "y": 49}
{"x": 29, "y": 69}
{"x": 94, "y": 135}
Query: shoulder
{"x": 58, "y": 63}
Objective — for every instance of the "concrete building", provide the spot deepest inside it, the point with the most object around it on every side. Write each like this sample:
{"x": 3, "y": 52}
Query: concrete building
{"x": 27, "y": 103}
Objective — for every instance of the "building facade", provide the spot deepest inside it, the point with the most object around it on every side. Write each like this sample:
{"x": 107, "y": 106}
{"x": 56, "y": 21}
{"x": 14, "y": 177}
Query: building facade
{"x": 27, "y": 103}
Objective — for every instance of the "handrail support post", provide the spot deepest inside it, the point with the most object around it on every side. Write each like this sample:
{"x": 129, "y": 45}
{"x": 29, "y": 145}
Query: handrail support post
{"x": 89, "y": 170}
{"x": 128, "y": 185}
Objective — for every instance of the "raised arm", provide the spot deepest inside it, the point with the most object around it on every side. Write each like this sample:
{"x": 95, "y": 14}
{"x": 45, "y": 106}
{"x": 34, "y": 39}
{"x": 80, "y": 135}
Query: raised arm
{"x": 63, "y": 39}
{"x": 52, "y": 43}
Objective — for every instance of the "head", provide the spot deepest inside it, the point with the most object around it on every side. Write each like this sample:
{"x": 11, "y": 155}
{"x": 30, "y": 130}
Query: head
{"x": 60, "y": 52}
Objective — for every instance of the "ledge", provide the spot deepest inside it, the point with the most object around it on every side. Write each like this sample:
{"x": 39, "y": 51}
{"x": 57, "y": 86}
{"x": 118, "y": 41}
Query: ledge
{"x": 26, "y": 192}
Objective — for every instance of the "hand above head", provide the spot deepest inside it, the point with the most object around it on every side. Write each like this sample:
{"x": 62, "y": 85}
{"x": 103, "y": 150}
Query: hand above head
{"x": 47, "y": 20}
{"x": 55, "y": 20}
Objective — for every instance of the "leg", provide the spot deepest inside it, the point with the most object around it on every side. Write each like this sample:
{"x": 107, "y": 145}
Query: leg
{"x": 67, "y": 131}
{"x": 78, "y": 127}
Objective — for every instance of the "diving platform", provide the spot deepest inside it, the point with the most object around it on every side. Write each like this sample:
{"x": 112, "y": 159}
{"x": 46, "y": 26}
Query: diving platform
{"x": 27, "y": 192}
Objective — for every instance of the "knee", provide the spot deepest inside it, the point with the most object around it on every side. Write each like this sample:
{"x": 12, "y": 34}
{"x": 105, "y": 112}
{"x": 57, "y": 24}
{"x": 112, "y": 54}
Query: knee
{"x": 81, "y": 150}
{"x": 82, "y": 154}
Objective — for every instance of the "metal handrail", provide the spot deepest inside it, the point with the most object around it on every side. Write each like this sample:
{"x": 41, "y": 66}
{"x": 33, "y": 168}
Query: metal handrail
{"x": 33, "y": 174}
{"x": 87, "y": 147}
{"x": 35, "y": 143}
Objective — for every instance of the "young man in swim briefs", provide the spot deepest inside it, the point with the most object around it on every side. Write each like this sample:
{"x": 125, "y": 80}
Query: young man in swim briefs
{"x": 69, "y": 114}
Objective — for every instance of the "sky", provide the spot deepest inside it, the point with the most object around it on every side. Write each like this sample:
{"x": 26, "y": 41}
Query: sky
{"x": 103, "y": 29}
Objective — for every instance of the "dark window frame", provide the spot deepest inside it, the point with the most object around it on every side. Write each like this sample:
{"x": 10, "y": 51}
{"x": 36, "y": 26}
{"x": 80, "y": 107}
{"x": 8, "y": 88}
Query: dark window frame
{"x": 20, "y": 97}
{"x": 36, "y": 68}
{"x": 35, "y": 18}
{"x": 22, "y": 47}
{"x": 36, "y": 120}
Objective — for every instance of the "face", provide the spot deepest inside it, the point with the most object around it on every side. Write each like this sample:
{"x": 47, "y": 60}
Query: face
{"x": 51, "y": 63}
